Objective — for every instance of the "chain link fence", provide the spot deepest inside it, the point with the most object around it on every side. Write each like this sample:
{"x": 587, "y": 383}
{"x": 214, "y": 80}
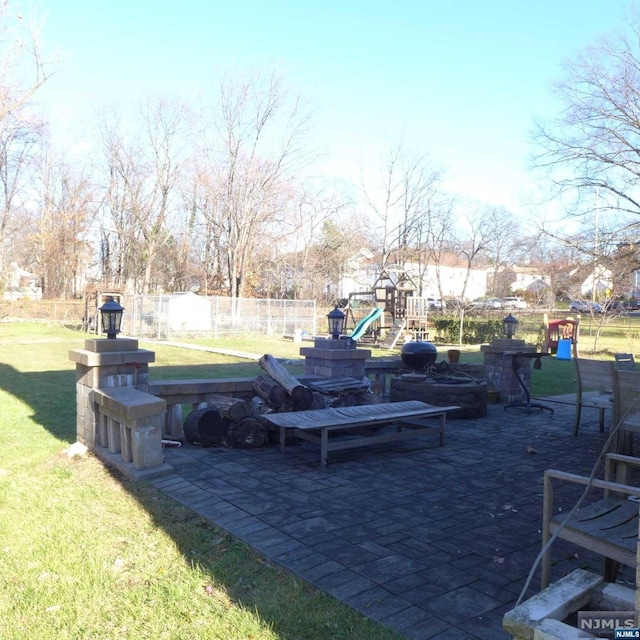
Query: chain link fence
{"x": 168, "y": 317}
{"x": 68, "y": 312}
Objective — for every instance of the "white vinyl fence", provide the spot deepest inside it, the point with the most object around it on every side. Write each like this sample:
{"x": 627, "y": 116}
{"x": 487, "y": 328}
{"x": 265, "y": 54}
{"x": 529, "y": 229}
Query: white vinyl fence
{"x": 181, "y": 315}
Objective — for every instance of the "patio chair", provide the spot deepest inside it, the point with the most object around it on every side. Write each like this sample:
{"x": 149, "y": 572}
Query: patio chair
{"x": 626, "y": 407}
{"x": 608, "y": 526}
{"x": 594, "y": 389}
{"x": 625, "y": 361}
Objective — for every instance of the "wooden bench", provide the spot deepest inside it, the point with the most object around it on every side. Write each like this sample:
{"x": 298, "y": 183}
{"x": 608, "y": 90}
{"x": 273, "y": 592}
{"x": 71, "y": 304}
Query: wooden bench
{"x": 410, "y": 416}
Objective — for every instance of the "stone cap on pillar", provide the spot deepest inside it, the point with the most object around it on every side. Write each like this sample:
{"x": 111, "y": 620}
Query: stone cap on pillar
{"x": 335, "y": 354}
{"x": 110, "y": 357}
{"x": 500, "y": 345}
{"x": 104, "y": 345}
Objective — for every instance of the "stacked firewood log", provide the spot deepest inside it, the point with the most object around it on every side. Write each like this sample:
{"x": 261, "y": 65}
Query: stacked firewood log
{"x": 238, "y": 423}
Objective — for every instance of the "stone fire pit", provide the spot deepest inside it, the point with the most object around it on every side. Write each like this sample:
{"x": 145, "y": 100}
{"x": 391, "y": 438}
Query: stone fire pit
{"x": 443, "y": 386}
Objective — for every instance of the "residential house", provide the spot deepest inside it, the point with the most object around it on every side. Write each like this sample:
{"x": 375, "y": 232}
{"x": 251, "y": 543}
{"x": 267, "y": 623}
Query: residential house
{"x": 445, "y": 278}
{"x": 21, "y": 284}
{"x": 510, "y": 279}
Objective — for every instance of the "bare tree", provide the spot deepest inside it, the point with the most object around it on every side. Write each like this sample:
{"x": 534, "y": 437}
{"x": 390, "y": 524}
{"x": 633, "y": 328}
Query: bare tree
{"x": 20, "y": 141}
{"x": 62, "y": 240}
{"x": 141, "y": 188}
{"x": 406, "y": 207}
{"x": 251, "y": 167}
{"x": 22, "y": 72}
{"x": 592, "y": 149}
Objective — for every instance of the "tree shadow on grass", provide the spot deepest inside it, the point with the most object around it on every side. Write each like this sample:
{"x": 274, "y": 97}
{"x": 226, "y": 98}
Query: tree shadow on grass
{"x": 289, "y": 606}
{"x": 247, "y": 579}
{"x": 50, "y": 395}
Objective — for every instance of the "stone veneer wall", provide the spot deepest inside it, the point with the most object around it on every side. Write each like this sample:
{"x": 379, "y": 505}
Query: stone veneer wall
{"x": 498, "y": 368}
{"x": 335, "y": 359}
{"x": 106, "y": 364}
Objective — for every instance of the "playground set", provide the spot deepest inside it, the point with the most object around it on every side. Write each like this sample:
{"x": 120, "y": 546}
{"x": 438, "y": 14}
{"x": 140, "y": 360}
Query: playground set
{"x": 387, "y": 311}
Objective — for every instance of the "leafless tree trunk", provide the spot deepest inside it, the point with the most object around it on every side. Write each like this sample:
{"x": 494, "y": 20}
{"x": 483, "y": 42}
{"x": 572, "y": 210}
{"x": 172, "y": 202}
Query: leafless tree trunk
{"x": 404, "y": 204}
{"x": 141, "y": 188}
{"x": 252, "y": 166}
{"x": 67, "y": 211}
{"x": 22, "y": 72}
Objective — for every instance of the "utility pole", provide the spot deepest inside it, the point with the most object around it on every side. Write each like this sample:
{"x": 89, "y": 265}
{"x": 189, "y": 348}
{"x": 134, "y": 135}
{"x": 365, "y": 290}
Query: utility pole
{"x": 596, "y": 247}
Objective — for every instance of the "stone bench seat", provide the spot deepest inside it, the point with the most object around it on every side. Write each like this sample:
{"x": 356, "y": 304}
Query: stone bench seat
{"x": 130, "y": 424}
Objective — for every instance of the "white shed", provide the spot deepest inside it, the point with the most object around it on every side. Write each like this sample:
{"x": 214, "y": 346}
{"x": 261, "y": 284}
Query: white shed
{"x": 188, "y": 312}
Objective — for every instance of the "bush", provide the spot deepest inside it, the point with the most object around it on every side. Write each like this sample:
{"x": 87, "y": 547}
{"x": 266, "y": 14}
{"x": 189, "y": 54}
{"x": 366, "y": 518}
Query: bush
{"x": 474, "y": 331}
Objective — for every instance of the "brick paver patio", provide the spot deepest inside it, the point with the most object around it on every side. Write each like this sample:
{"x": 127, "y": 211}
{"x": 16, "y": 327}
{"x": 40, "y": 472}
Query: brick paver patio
{"x": 434, "y": 542}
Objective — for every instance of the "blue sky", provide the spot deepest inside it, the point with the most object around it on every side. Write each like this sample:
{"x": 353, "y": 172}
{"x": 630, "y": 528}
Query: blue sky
{"x": 461, "y": 79}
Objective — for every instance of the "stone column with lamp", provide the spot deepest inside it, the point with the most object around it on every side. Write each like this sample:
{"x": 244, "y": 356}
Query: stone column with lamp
{"x": 498, "y": 363}
{"x": 336, "y": 356}
{"x": 113, "y": 364}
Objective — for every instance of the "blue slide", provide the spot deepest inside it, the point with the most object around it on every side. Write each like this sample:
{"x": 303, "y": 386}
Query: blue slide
{"x": 362, "y": 326}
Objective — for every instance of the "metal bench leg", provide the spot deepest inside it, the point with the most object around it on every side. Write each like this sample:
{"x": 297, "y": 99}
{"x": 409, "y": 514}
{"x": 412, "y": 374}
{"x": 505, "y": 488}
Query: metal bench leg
{"x": 576, "y": 424}
{"x": 324, "y": 441}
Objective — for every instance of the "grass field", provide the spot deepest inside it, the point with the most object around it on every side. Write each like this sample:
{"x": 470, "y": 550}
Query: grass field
{"x": 87, "y": 554}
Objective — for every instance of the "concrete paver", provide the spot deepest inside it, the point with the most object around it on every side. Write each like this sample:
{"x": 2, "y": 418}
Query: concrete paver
{"x": 433, "y": 542}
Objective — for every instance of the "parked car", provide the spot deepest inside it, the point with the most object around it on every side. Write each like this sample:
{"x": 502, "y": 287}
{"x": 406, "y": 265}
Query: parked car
{"x": 614, "y": 306}
{"x": 436, "y": 303}
{"x": 489, "y": 303}
{"x": 584, "y": 306}
{"x": 514, "y": 302}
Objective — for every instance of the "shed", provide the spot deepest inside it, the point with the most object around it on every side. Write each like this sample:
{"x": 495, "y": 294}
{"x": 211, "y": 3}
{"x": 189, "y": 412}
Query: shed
{"x": 188, "y": 312}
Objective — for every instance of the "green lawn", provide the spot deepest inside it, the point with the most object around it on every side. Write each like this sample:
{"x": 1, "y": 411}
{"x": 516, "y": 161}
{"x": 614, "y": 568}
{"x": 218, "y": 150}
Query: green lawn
{"x": 87, "y": 554}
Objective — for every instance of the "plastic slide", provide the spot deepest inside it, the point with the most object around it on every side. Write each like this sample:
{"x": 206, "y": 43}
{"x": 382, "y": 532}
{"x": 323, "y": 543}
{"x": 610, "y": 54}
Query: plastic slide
{"x": 361, "y": 327}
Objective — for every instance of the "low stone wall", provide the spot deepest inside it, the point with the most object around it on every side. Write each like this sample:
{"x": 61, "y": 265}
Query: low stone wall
{"x": 470, "y": 396}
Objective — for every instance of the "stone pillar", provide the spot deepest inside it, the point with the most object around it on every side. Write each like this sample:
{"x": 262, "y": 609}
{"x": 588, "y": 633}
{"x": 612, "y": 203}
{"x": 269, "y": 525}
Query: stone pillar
{"x": 104, "y": 364}
{"x": 498, "y": 368}
{"x": 335, "y": 359}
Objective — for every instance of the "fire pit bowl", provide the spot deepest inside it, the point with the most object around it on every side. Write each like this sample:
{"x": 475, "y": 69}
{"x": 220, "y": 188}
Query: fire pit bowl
{"x": 418, "y": 355}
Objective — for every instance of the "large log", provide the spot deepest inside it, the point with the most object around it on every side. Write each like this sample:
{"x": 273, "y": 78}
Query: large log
{"x": 232, "y": 408}
{"x": 368, "y": 398}
{"x": 258, "y": 407}
{"x": 247, "y": 434}
{"x": 206, "y": 427}
{"x": 301, "y": 396}
{"x": 319, "y": 401}
{"x": 270, "y": 391}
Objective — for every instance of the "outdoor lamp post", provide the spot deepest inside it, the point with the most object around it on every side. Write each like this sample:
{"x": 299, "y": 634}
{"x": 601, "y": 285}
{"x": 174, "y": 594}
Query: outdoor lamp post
{"x": 111, "y": 317}
{"x": 510, "y": 324}
{"x": 336, "y": 323}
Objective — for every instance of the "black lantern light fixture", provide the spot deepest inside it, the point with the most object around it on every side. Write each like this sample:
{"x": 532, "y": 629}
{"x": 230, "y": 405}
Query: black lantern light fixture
{"x": 336, "y": 323}
{"x": 111, "y": 318}
{"x": 510, "y": 325}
